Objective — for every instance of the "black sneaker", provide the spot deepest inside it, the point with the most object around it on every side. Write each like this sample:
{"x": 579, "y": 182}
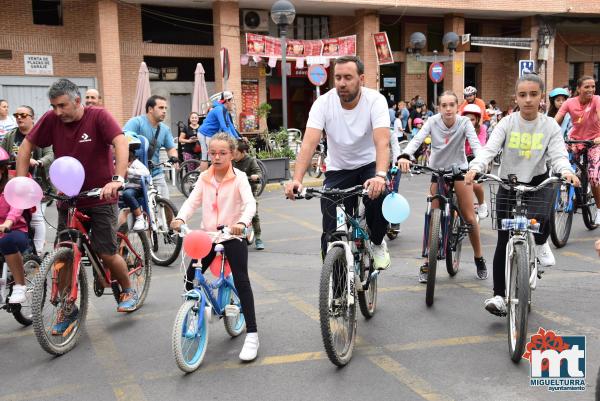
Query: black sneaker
{"x": 482, "y": 273}
{"x": 423, "y": 272}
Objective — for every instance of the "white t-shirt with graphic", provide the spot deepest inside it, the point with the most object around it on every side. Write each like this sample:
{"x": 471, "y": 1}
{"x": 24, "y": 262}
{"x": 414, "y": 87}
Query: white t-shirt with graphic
{"x": 349, "y": 132}
{"x": 6, "y": 125}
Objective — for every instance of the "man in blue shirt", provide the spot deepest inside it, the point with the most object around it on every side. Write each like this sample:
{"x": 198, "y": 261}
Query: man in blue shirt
{"x": 219, "y": 119}
{"x": 151, "y": 127}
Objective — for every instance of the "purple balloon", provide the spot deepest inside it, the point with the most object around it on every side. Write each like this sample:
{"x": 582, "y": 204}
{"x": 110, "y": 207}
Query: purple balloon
{"x": 22, "y": 193}
{"x": 67, "y": 175}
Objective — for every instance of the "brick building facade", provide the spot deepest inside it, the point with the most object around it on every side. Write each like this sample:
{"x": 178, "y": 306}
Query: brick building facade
{"x": 103, "y": 40}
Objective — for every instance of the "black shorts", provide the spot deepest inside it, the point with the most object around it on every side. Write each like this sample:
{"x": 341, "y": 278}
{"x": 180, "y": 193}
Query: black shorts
{"x": 103, "y": 227}
{"x": 434, "y": 179}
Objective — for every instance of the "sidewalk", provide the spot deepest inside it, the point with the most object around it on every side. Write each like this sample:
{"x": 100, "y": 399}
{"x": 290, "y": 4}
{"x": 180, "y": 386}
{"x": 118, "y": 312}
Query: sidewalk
{"x": 307, "y": 182}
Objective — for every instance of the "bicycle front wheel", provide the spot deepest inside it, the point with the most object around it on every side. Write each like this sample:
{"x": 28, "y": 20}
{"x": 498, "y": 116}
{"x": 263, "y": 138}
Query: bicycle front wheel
{"x": 518, "y": 302}
{"x": 264, "y": 177}
{"x": 31, "y": 266}
{"x": 367, "y": 299}
{"x": 434, "y": 248}
{"x": 589, "y": 209}
{"x": 314, "y": 168}
{"x": 562, "y": 216}
{"x": 57, "y": 321}
{"x": 166, "y": 244}
{"x": 137, "y": 257}
{"x": 233, "y": 325}
{"x": 336, "y": 315}
{"x": 454, "y": 247}
{"x": 188, "y": 182}
{"x": 190, "y": 336}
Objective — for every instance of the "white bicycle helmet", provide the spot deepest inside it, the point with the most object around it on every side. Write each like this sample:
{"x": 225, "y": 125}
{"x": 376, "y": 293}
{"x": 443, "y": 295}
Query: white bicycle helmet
{"x": 470, "y": 90}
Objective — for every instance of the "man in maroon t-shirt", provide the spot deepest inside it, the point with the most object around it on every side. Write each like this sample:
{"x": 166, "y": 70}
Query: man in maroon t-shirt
{"x": 87, "y": 134}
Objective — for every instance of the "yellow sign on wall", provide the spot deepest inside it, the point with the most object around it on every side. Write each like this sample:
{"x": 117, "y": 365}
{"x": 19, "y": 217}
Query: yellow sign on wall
{"x": 458, "y": 66}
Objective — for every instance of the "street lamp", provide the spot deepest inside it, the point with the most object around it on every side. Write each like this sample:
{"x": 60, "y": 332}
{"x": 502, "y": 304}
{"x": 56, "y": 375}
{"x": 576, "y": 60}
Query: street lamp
{"x": 417, "y": 42}
{"x": 283, "y": 14}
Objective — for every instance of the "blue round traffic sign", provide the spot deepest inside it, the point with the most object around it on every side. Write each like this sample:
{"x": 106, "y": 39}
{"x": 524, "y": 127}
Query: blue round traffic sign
{"x": 317, "y": 74}
{"x": 436, "y": 72}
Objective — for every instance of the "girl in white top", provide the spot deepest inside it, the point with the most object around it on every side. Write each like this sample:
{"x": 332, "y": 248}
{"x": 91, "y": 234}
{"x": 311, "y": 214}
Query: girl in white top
{"x": 448, "y": 132}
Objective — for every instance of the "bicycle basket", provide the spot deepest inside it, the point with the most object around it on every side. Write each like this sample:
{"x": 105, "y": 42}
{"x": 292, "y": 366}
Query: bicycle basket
{"x": 533, "y": 214}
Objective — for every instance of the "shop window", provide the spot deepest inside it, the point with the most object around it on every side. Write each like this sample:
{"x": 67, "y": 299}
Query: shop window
{"x": 178, "y": 68}
{"x": 178, "y": 26}
{"x": 391, "y": 25}
{"x": 575, "y": 72}
{"x": 47, "y": 12}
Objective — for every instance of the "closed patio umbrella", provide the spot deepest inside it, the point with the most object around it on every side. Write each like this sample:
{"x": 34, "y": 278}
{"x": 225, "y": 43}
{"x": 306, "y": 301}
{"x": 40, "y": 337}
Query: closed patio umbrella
{"x": 142, "y": 91}
{"x": 200, "y": 97}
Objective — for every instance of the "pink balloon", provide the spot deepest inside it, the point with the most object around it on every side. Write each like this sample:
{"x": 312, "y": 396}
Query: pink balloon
{"x": 197, "y": 244}
{"x": 67, "y": 175}
{"x": 4, "y": 154}
{"x": 23, "y": 193}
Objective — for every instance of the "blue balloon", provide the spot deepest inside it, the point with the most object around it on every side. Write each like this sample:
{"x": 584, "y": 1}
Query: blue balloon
{"x": 395, "y": 208}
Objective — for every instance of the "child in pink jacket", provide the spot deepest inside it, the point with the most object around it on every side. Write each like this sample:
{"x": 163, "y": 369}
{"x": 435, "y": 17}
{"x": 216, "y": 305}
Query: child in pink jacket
{"x": 226, "y": 198}
{"x": 474, "y": 113}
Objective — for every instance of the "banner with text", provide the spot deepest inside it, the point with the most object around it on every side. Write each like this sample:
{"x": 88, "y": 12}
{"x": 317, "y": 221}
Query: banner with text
{"x": 383, "y": 49}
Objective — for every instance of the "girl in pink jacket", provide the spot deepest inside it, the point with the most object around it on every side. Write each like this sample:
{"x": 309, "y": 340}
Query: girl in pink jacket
{"x": 226, "y": 198}
{"x": 474, "y": 113}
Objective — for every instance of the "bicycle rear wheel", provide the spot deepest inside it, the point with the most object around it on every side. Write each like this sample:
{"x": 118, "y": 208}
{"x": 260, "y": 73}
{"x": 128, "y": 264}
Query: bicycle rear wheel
{"x": 188, "y": 182}
{"x": 49, "y": 312}
{"x": 137, "y": 257}
{"x": 454, "y": 247}
{"x": 190, "y": 336}
{"x": 187, "y": 167}
{"x": 367, "y": 299}
{"x": 434, "y": 247}
{"x": 562, "y": 216}
{"x": 264, "y": 177}
{"x": 23, "y": 313}
{"x": 518, "y": 302}
{"x": 313, "y": 168}
{"x": 166, "y": 244}
{"x": 336, "y": 315}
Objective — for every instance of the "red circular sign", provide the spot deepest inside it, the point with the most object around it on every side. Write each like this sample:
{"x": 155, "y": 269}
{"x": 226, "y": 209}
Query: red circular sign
{"x": 436, "y": 72}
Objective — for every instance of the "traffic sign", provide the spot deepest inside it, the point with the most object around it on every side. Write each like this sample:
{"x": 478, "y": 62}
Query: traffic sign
{"x": 436, "y": 72}
{"x": 526, "y": 66}
{"x": 317, "y": 74}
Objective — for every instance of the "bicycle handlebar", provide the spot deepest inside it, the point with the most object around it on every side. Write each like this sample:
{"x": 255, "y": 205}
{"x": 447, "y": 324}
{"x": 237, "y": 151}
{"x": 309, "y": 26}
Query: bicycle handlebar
{"x": 587, "y": 143}
{"x": 452, "y": 172}
{"x": 508, "y": 185}
{"x": 308, "y": 193}
{"x": 92, "y": 193}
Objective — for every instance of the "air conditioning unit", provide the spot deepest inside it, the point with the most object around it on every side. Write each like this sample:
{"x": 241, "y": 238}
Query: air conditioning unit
{"x": 255, "y": 21}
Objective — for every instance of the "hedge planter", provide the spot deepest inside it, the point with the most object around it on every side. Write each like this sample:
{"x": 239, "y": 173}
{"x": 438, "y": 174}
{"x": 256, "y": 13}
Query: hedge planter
{"x": 278, "y": 169}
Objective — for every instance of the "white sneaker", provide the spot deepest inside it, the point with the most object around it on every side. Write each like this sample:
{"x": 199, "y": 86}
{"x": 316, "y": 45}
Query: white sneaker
{"x": 381, "y": 256}
{"x": 482, "y": 210}
{"x": 250, "y": 349}
{"x": 18, "y": 294}
{"x": 140, "y": 224}
{"x": 597, "y": 219}
{"x": 496, "y": 305}
{"x": 544, "y": 254}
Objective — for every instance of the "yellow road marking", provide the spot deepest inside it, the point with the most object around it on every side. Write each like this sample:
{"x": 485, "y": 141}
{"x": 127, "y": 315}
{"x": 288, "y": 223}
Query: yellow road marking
{"x": 295, "y": 220}
{"x": 121, "y": 380}
{"x": 580, "y": 256}
{"x": 304, "y": 238}
{"x": 406, "y": 377}
{"x": 445, "y": 342}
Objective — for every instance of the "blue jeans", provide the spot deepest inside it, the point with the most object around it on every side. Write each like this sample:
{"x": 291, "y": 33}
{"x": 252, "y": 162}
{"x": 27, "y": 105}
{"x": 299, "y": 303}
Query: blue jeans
{"x": 130, "y": 197}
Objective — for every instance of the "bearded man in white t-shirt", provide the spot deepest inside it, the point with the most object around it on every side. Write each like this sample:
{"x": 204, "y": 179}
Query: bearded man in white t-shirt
{"x": 357, "y": 123}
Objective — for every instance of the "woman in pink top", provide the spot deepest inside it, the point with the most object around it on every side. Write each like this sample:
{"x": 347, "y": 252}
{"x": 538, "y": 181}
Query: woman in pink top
{"x": 584, "y": 110}
{"x": 13, "y": 236}
{"x": 226, "y": 198}
{"x": 473, "y": 112}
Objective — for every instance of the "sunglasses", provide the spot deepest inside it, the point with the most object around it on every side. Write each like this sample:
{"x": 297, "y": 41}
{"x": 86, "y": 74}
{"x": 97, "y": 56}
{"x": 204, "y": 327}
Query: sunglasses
{"x": 21, "y": 115}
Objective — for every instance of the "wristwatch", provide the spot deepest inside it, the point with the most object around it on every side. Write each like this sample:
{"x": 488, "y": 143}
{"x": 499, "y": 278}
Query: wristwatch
{"x": 118, "y": 178}
{"x": 381, "y": 174}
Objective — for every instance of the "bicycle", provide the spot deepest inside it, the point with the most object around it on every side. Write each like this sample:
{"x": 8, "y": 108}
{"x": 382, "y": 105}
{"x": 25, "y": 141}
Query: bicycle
{"x": 317, "y": 166}
{"x": 511, "y": 211}
{"x": 445, "y": 227}
{"x": 21, "y": 312}
{"x": 348, "y": 273}
{"x": 190, "y": 330}
{"x": 165, "y": 246}
{"x": 186, "y": 167}
{"x": 569, "y": 199}
{"x": 62, "y": 284}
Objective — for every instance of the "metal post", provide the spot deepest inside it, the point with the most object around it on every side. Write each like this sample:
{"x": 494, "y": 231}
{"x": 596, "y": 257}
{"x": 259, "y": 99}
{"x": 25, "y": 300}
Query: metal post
{"x": 435, "y": 95}
{"x": 284, "y": 76}
{"x": 318, "y": 88}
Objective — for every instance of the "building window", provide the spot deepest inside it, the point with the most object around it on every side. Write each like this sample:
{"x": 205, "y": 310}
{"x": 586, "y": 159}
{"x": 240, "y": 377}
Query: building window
{"x": 575, "y": 72}
{"x": 391, "y": 25}
{"x": 435, "y": 32}
{"x": 474, "y": 28}
{"x": 47, "y": 12}
{"x": 179, "y": 68}
{"x": 177, "y": 26}
{"x": 310, "y": 27}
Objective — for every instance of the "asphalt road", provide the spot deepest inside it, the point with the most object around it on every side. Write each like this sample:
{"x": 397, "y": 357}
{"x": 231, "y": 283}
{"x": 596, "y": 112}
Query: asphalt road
{"x": 454, "y": 350}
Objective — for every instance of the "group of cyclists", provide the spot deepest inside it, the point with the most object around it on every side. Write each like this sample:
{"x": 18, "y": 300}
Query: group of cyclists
{"x": 357, "y": 123}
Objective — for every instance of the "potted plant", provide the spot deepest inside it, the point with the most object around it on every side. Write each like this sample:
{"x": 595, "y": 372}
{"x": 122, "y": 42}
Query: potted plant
{"x": 262, "y": 112}
{"x": 276, "y": 154}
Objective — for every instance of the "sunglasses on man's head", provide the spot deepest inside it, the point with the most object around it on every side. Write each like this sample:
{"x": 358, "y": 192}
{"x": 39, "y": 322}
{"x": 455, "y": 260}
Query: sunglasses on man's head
{"x": 21, "y": 115}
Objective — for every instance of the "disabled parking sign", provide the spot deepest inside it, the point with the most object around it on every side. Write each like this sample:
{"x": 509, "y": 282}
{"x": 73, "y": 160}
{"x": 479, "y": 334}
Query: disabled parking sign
{"x": 526, "y": 66}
